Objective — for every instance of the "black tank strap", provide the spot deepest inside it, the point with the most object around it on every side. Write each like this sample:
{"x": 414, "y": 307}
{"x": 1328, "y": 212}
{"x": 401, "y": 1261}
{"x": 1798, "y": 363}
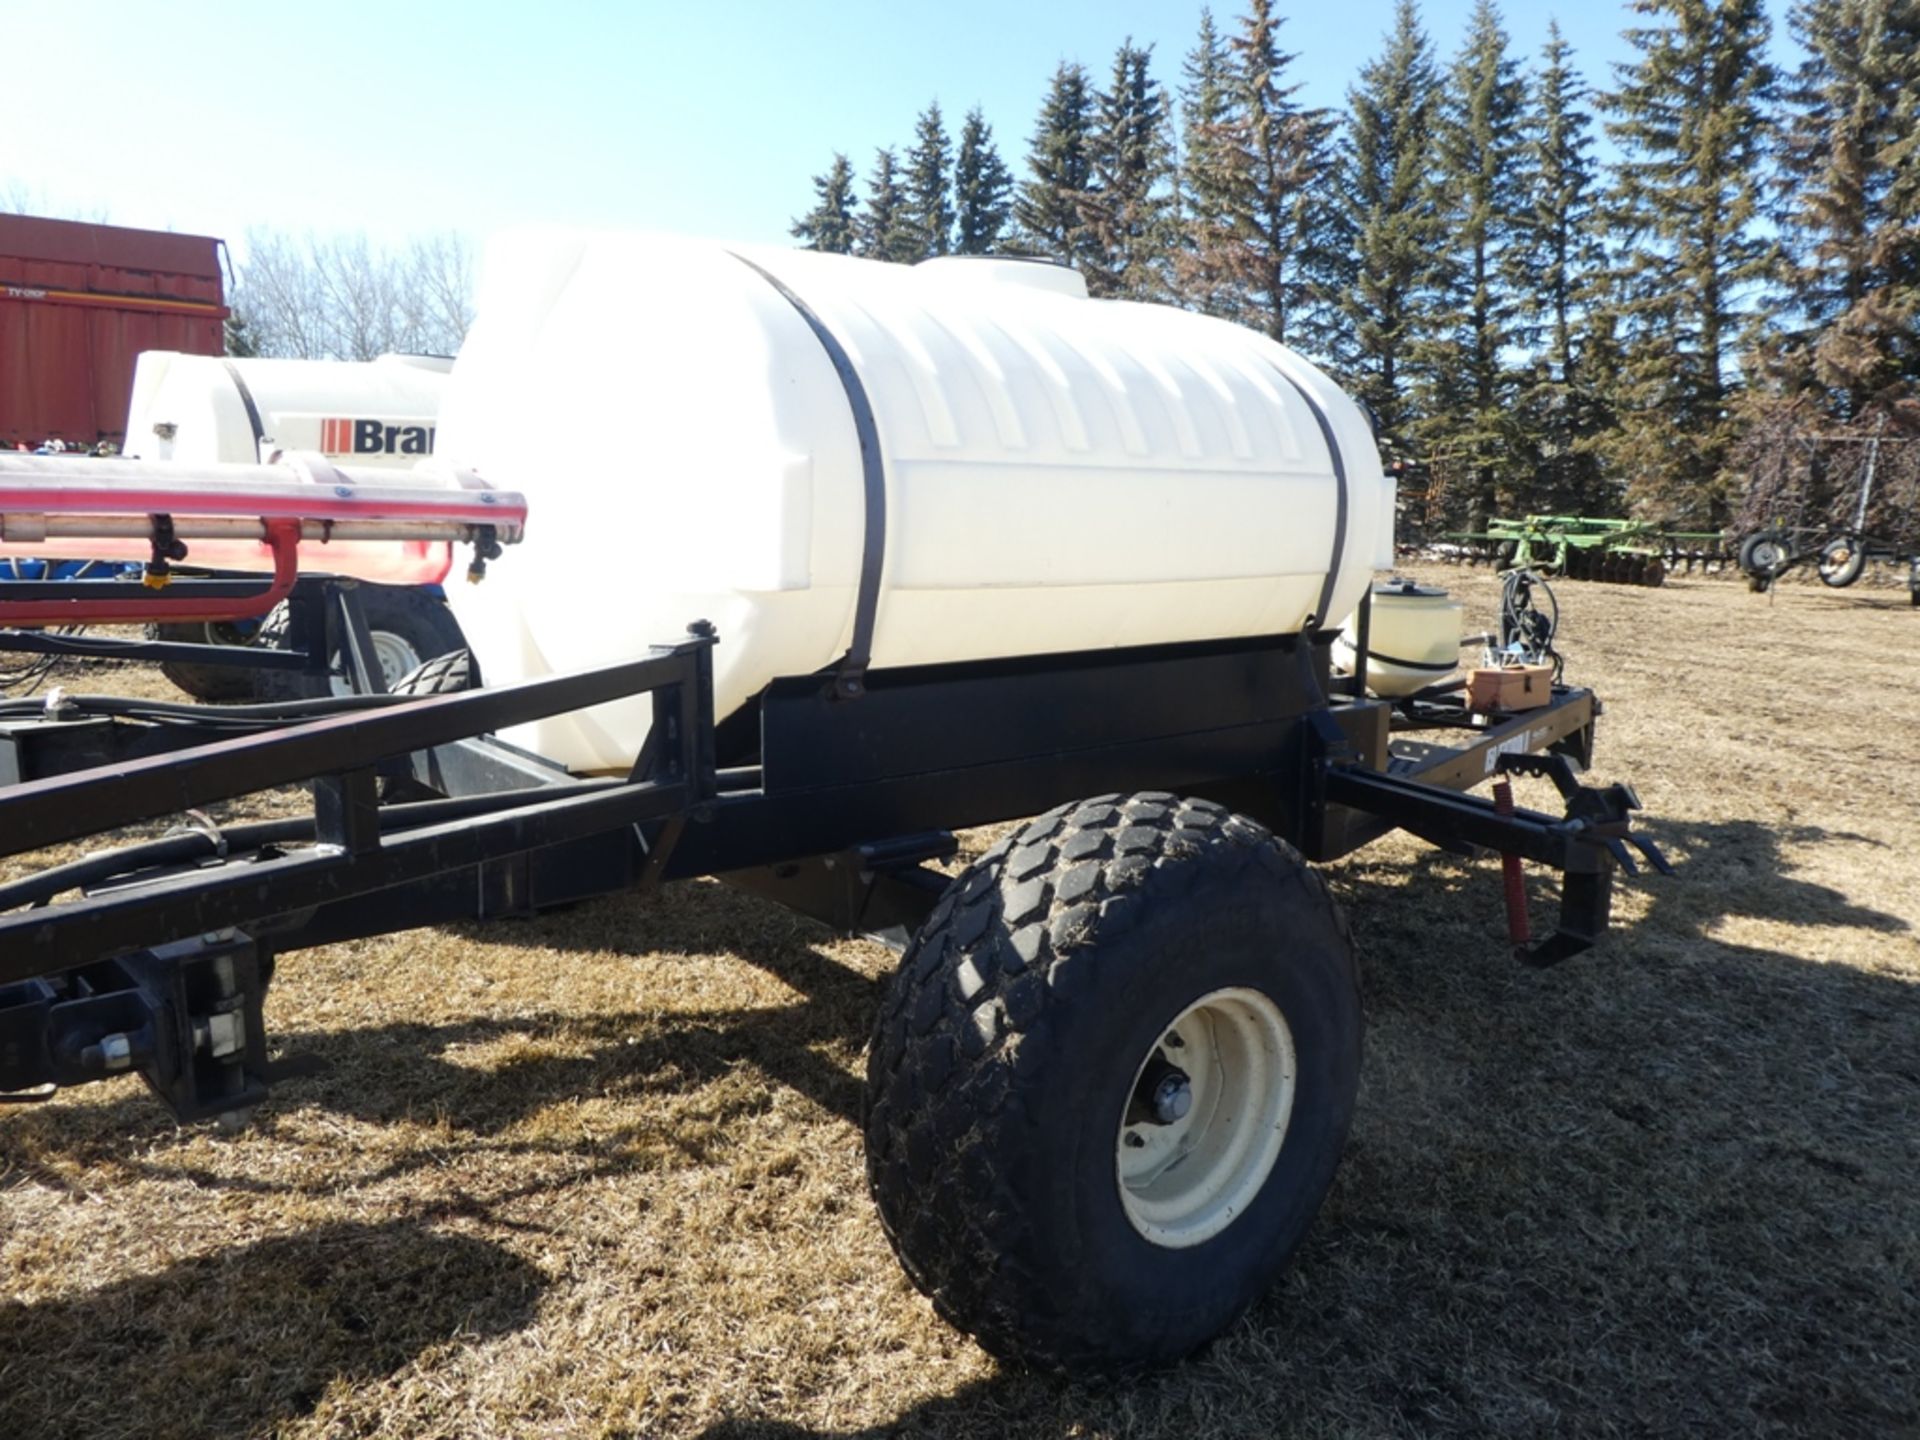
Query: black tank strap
{"x": 1320, "y": 618}
{"x": 253, "y": 410}
{"x": 850, "y": 675}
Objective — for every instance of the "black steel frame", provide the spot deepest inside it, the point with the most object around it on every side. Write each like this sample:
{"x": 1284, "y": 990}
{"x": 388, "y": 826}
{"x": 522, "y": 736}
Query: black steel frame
{"x": 830, "y": 804}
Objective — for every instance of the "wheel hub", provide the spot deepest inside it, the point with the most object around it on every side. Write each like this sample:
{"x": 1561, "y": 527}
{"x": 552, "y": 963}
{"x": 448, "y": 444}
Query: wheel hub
{"x": 1164, "y": 1092}
{"x": 1172, "y": 1098}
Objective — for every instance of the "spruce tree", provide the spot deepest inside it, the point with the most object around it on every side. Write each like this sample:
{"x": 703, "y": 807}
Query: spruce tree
{"x": 1060, "y": 170}
{"x": 829, "y": 226}
{"x": 1206, "y": 276}
{"x": 929, "y": 187}
{"x": 885, "y": 231}
{"x": 1564, "y": 250}
{"x": 1127, "y": 210}
{"x": 982, "y": 189}
{"x": 240, "y": 344}
{"x": 1563, "y": 409}
{"x": 1851, "y": 157}
{"x": 1388, "y": 222}
{"x": 1467, "y": 384}
{"x": 1277, "y": 180}
{"x": 1692, "y": 116}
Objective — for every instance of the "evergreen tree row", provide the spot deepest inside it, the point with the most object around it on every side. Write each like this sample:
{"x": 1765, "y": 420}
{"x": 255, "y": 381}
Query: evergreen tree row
{"x": 941, "y": 202}
{"x": 1546, "y": 332}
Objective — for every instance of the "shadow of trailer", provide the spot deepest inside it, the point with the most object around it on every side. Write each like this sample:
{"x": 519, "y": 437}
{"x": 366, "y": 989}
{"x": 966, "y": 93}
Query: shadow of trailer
{"x": 1121, "y": 1053}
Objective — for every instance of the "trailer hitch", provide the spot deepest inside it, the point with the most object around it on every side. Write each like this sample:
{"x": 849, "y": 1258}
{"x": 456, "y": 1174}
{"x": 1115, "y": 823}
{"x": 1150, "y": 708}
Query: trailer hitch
{"x": 1605, "y": 812}
{"x": 1597, "y": 816}
{"x": 1584, "y": 844}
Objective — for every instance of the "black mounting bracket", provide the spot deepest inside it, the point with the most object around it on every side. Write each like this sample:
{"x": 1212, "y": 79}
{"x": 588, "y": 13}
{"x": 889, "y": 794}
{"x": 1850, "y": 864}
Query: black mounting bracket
{"x": 185, "y": 1017}
{"x": 1605, "y": 811}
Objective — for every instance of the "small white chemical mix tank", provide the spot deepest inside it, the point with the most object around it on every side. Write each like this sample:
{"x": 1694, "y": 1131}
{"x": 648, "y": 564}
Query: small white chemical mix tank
{"x": 1413, "y": 638}
{"x": 1059, "y": 474}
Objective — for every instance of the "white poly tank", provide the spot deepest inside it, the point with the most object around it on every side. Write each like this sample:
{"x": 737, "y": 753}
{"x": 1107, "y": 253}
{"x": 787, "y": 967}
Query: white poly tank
{"x": 1061, "y": 474}
{"x": 1413, "y": 638}
{"x": 205, "y": 409}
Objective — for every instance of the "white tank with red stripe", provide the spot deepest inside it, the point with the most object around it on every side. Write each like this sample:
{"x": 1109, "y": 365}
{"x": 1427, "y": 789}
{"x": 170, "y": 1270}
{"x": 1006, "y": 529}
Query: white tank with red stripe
{"x": 195, "y": 408}
{"x": 1061, "y": 474}
{"x": 376, "y": 414}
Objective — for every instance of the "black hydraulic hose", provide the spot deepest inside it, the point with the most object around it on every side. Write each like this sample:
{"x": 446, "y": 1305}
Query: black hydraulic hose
{"x": 224, "y": 716}
{"x": 1432, "y": 692}
{"x": 1516, "y": 607}
{"x": 177, "y": 849}
{"x": 189, "y": 846}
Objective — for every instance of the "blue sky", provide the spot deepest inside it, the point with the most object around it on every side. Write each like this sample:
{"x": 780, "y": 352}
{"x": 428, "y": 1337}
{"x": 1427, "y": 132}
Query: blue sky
{"x": 401, "y": 118}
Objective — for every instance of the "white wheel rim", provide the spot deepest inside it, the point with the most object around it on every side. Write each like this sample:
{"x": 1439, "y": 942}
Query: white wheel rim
{"x": 1185, "y": 1181}
{"x": 396, "y": 658}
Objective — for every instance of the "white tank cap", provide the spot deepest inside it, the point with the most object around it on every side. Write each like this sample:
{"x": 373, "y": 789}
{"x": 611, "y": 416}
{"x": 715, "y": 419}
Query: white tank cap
{"x": 1036, "y": 272}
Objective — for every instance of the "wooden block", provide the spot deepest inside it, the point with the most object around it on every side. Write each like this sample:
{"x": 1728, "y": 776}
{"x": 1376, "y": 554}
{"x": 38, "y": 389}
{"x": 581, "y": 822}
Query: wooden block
{"x": 1509, "y": 687}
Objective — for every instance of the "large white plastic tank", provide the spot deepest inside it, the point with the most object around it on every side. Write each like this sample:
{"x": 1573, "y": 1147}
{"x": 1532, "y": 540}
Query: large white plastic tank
{"x": 1062, "y": 474}
{"x": 382, "y": 412}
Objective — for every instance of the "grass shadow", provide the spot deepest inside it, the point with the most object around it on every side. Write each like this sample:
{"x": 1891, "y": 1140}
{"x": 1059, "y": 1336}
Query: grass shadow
{"x": 401, "y": 1071}
{"x": 246, "y": 1339}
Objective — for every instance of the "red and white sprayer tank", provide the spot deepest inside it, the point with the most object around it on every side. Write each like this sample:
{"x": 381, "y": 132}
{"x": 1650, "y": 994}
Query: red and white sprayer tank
{"x": 335, "y": 444}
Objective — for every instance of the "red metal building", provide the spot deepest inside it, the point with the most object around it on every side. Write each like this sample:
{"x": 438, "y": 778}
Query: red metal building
{"x": 78, "y": 303}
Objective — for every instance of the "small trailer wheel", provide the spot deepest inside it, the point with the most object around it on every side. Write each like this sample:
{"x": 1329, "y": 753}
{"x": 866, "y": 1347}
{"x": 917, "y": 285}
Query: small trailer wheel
{"x": 410, "y": 628}
{"x": 1765, "y": 555}
{"x": 443, "y": 675}
{"x": 1842, "y": 561}
{"x": 1112, "y": 1082}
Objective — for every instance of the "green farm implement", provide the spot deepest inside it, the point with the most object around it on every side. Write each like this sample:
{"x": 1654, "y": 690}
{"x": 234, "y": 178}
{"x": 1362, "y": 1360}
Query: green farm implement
{"x": 1583, "y": 547}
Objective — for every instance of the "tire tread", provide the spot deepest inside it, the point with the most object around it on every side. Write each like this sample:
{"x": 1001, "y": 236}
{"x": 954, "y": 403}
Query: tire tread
{"x": 950, "y": 1059}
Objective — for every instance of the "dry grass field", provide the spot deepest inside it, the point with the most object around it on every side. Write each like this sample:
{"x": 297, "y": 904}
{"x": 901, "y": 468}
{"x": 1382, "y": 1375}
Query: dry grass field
{"x": 599, "y": 1174}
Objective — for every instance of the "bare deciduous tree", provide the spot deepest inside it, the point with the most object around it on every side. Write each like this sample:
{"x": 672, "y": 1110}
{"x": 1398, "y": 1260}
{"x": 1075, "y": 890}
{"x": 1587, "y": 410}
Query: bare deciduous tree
{"x": 439, "y": 288}
{"x": 342, "y": 298}
{"x": 17, "y": 197}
